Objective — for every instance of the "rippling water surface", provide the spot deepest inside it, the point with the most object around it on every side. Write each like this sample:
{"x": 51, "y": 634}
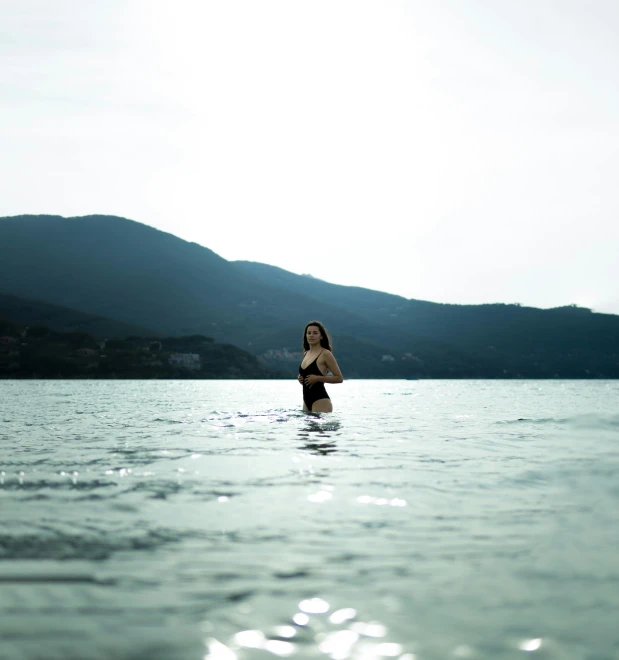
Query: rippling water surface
{"x": 421, "y": 520}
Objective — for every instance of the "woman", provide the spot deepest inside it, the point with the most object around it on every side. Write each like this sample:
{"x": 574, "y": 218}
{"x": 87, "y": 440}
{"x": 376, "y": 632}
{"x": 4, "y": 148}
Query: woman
{"x": 317, "y": 362}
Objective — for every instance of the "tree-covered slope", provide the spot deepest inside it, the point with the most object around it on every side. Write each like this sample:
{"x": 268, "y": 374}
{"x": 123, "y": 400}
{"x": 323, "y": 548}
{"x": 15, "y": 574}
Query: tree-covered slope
{"x": 122, "y": 270}
{"x": 23, "y": 312}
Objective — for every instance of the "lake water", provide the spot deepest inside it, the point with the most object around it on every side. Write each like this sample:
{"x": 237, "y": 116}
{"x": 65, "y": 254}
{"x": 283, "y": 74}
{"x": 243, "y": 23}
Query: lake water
{"x": 164, "y": 520}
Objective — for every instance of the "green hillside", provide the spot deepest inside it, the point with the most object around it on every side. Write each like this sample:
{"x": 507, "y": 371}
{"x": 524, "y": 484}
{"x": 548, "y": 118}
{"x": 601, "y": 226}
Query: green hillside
{"x": 39, "y": 351}
{"x": 124, "y": 270}
{"x": 118, "y": 269}
{"x": 22, "y": 312}
{"x": 491, "y": 340}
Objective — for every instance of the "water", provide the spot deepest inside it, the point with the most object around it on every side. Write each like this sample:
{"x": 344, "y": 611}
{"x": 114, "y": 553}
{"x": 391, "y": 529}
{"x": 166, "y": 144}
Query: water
{"x": 204, "y": 519}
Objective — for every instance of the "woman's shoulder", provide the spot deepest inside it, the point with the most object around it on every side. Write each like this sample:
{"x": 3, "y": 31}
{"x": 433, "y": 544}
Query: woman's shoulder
{"x": 326, "y": 351}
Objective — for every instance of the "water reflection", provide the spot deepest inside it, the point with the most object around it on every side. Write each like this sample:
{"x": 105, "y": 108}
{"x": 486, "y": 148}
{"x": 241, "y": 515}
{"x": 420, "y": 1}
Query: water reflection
{"x": 317, "y": 433}
{"x": 340, "y": 636}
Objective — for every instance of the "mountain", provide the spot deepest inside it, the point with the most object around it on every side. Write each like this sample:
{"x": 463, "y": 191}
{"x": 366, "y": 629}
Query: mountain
{"x": 22, "y": 312}
{"x": 488, "y": 339}
{"x": 119, "y": 269}
{"x": 123, "y": 270}
{"x": 503, "y": 325}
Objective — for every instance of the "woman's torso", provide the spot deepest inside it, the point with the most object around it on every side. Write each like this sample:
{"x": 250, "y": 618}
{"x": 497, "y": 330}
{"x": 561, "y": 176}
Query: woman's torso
{"x": 314, "y": 364}
{"x": 317, "y": 390}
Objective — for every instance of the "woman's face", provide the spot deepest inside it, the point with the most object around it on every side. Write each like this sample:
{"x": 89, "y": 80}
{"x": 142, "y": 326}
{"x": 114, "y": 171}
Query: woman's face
{"x": 313, "y": 335}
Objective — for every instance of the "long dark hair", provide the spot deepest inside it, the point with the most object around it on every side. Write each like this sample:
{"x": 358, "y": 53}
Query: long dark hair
{"x": 325, "y": 342}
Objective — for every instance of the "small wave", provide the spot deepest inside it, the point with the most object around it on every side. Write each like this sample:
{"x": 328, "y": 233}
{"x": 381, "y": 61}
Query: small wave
{"x": 594, "y": 421}
{"x": 55, "y": 579}
{"x": 587, "y": 421}
{"x": 44, "y": 484}
{"x": 93, "y": 547}
{"x": 541, "y": 420}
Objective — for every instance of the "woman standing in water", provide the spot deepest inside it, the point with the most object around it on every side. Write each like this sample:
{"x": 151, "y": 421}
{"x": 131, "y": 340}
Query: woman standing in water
{"x": 317, "y": 362}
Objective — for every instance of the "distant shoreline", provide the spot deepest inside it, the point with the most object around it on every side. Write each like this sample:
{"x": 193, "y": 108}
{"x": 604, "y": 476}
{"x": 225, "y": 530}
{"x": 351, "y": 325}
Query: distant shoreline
{"x": 291, "y": 378}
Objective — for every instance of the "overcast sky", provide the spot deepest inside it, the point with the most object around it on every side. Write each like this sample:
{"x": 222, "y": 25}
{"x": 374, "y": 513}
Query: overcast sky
{"x": 446, "y": 150}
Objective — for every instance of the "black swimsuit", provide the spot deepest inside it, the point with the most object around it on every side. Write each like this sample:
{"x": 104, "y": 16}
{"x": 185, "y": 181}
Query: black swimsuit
{"x": 317, "y": 390}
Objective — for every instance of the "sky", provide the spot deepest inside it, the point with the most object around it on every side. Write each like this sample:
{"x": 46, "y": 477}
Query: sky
{"x": 459, "y": 152}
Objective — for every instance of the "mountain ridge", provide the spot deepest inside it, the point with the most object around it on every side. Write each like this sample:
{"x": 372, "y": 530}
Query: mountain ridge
{"x": 128, "y": 271}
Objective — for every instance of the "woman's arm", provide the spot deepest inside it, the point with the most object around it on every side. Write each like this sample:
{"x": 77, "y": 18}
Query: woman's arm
{"x": 299, "y": 377}
{"x": 333, "y": 367}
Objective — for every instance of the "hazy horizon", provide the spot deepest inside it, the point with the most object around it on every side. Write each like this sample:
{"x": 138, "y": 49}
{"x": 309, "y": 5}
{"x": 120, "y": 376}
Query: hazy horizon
{"x": 458, "y": 154}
